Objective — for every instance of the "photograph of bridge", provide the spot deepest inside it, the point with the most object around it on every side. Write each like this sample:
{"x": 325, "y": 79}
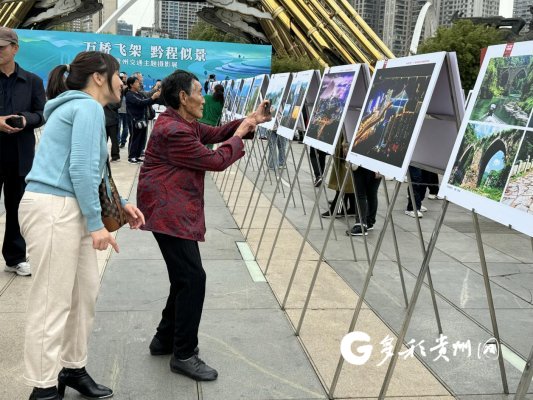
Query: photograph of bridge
{"x": 295, "y": 99}
{"x": 251, "y": 101}
{"x": 391, "y": 112}
{"x": 519, "y": 191}
{"x": 485, "y": 159}
{"x": 506, "y": 93}
{"x": 329, "y": 107}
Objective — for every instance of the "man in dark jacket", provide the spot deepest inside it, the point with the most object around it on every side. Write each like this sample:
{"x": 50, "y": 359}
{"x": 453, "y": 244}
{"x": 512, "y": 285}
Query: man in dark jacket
{"x": 22, "y": 101}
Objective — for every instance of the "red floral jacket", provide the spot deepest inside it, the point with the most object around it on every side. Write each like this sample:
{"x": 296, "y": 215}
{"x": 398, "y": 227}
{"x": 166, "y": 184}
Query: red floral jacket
{"x": 171, "y": 183}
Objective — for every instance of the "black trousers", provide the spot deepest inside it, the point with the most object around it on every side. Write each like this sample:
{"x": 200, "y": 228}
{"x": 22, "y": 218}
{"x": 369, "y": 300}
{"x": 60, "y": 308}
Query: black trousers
{"x": 367, "y": 193}
{"x": 318, "y": 162}
{"x": 183, "y": 311}
{"x": 14, "y": 247}
{"x": 432, "y": 180}
{"x": 112, "y": 133}
{"x": 419, "y": 187}
{"x": 137, "y": 140}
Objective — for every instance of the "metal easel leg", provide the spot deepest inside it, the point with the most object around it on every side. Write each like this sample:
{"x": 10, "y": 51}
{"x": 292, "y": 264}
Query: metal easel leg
{"x": 490, "y": 300}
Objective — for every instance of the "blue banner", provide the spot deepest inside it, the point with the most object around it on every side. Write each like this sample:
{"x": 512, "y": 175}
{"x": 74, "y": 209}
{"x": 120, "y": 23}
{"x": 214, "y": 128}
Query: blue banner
{"x": 41, "y": 51}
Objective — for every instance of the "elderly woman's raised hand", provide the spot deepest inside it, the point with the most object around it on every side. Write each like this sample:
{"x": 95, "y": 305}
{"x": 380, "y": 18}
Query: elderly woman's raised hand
{"x": 246, "y": 126}
{"x": 263, "y": 113}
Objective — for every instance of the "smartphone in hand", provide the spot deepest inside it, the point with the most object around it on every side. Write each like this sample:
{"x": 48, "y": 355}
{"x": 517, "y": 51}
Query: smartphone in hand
{"x": 267, "y": 106}
{"x": 15, "y": 122}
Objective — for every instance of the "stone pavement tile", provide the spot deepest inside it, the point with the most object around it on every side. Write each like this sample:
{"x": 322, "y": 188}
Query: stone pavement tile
{"x": 321, "y": 335}
{"x": 229, "y": 286}
{"x": 514, "y": 326}
{"x": 287, "y": 246}
{"x": 464, "y": 286}
{"x": 134, "y": 285}
{"x": 461, "y": 221}
{"x": 15, "y": 297}
{"x": 517, "y": 278}
{"x": 119, "y": 358}
{"x": 6, "y": 278}
{"x": 219, "y": 245}
{"x": 219, "y": 217}
{"x": 330, "y": 290}
{"x": 136, "y": 245}
{"x": 385, "y": 287}
{"x": 257, "y": 357}
{"x": 464, "y": 249}
{"x": 511, "y": 243}
{"x": 12, "y": 361}
{"x": 341, "y": 248}
{"x": 493, "y": 396}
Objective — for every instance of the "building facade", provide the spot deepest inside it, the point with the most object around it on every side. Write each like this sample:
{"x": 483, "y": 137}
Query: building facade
{"x": 123, "y": 28}
{"x": 177, "y": 18}
{"x": 469, "y": 8}
{"x": 521, "y": 10}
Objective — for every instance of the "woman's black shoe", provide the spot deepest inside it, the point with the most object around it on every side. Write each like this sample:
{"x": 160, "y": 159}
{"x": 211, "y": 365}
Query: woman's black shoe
{"x": 45, "y": 394}
{"x": 78, "y": 379}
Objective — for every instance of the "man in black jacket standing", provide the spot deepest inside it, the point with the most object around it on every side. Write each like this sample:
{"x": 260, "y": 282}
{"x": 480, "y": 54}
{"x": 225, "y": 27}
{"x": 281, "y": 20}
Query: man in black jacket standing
{"x": 22, "y": 101}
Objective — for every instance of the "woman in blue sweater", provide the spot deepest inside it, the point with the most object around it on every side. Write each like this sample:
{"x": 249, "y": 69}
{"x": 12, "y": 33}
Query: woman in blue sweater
{"x": 60, "y": 219}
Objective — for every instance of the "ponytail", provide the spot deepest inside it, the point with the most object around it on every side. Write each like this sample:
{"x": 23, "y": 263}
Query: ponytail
{"x": 79, "y": 72}
{"x": 56, "y": 82}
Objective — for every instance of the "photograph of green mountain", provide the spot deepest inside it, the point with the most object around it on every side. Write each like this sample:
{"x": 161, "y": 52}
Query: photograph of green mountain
{"x": 506, "y": 93}
{"x": 485, "y": 159}
{"x": 519, "y": 191}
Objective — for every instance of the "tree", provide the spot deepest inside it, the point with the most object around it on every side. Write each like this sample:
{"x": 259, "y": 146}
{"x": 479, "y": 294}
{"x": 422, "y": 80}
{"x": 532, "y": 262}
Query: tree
{"x": 285, "y": 63}
{"x": 466, "y": 39}
{"x": 208, "y": 33}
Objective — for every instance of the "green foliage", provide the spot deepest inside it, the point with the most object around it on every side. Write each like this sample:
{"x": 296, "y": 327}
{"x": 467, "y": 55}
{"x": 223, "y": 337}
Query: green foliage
{"x": 208, "y": 33}
{"x": 490, "y": 192}
{"x": 284, "y": 63}
{"x": 467, "y": 40}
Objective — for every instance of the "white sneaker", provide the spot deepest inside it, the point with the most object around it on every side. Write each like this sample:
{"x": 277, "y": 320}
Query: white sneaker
{"x": 434, "y": 197}
{"x": 423, "y": 209}
{"x": 412, "y": 214}
{"x": 22, "y": 269}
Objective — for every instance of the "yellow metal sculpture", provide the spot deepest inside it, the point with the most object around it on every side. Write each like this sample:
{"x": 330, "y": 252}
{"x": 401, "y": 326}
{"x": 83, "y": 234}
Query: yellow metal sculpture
{"x": 329, "y": 31}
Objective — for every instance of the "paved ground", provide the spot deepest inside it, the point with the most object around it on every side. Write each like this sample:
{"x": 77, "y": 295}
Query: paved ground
{"x": 251, "y": 341}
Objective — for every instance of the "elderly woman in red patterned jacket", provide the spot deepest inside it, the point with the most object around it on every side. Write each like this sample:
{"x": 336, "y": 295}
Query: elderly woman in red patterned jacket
{"x": 171, "y": 196}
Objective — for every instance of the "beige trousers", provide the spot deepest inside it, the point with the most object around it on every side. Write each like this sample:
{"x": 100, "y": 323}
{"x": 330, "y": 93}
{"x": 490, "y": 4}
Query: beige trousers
{"x": 62, "y": 299}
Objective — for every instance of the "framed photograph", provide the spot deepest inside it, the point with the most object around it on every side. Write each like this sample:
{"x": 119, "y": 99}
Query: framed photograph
{"x": 294, "y": 103}
{"x": 491, "y": 166}
{"x": 255, "y": 94}
{"x": 241, "y": 98}
{"x": 393, "y": 113}
{"x": 275, "y": 93}
{"x": 330, "y": 107}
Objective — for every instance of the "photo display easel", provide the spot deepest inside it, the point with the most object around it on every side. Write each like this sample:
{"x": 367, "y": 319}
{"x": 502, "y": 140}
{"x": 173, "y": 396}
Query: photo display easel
{"x": 335, "y": 100}
{"x": 241, "y": 99}
{"x": 398, "y": 116}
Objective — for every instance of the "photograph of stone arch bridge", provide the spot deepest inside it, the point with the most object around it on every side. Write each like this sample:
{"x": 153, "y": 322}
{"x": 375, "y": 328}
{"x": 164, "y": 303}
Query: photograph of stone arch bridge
{"x": 519, "y": 191}
{"x": 506, "y": 93}
{"x": 485, "y": 159}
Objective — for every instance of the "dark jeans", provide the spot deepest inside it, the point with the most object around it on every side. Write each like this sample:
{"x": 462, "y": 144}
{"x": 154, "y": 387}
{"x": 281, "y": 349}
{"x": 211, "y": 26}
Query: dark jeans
{"x": 138, "y": 137}
{"x": 432, "y": 180}
{"x": 124, "y": 124}
{"x": 318, "y": 162}
{"x": 14, "y": 247}
{"x": 183, "y": 311}
{"x": 419, "y": 187}
{"x": 348, "y": 202}
{"x": 367, "y": 187}
{"x": 112, "y": 133}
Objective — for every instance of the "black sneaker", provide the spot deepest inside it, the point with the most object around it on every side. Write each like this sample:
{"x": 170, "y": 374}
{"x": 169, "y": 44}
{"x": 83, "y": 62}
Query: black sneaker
{"x": 369, "y": 227}
{"x": 194, "y": 368}
{"x": 328, "y": 214}
{"x": 357, "y": 230}
{"x": 133, "y": 161}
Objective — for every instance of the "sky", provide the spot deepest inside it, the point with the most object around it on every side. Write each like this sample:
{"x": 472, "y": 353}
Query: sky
{"x": 142, "y": 12}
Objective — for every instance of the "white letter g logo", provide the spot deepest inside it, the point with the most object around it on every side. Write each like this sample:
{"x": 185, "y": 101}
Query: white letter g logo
{"x": 364, "y": 351}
